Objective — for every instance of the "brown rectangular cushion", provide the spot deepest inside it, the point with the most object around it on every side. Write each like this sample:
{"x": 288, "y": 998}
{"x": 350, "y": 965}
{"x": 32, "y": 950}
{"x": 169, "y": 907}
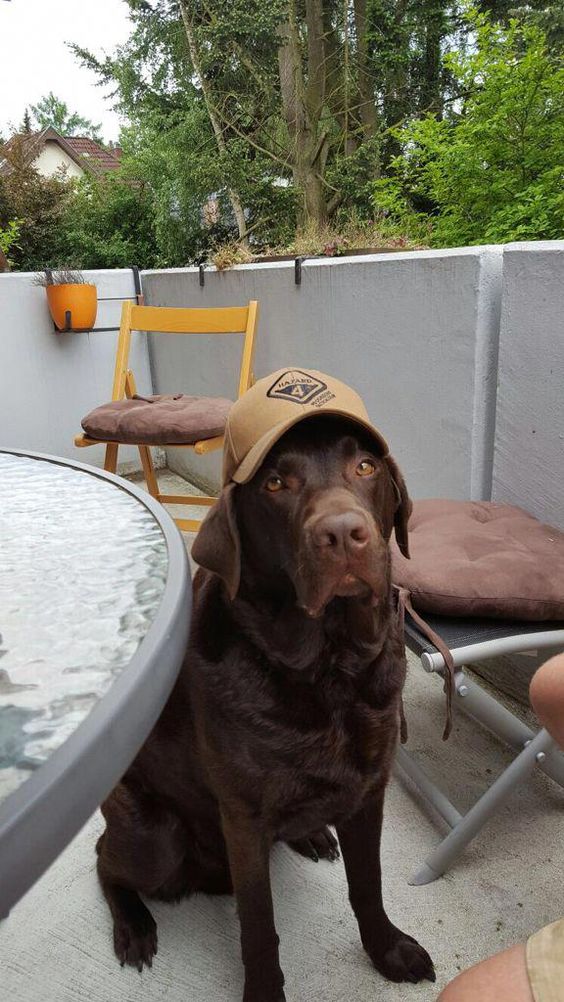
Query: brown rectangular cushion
{"x": 158, "y": 420}
{"x": 479, "y": 558}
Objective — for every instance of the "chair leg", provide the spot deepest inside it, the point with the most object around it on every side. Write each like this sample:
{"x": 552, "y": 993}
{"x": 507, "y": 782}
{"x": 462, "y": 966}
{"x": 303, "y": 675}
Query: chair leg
{"x": 425, "y": 786}
{"x": 188, "y": 524}
{"x": 491, "y": 714}
{"x": 464, "y": 831}
{"x": 110, "y": 461}
{"x": 149, "y": 471}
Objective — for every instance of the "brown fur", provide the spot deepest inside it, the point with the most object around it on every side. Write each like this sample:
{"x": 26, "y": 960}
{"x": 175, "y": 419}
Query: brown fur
{"x": 285, "y": 715}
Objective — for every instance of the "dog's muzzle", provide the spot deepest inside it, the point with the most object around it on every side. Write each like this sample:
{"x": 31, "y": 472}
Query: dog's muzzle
{"x": 342, "y": 553}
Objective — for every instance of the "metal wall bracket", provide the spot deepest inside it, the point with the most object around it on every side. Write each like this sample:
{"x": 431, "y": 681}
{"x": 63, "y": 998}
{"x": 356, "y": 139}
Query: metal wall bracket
{"x": 138, "y": 290}
{"x": 69, "y": 329}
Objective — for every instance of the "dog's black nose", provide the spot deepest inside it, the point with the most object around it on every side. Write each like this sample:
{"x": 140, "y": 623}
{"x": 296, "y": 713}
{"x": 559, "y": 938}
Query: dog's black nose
{"x": 347, "y": 531}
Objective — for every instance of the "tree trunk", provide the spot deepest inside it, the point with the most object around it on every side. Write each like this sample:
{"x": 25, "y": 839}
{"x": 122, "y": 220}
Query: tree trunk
{"x": 431, "y": 93}
{"x": 316, "y": 72}
{"x": 302, "y": 106}
{"x": 314, "y": 203}
{"x": 367, "y": 111}
{"x": 341, "y": 95}
{"x": 234, "y": 198}
{"x": 396, "y": 77}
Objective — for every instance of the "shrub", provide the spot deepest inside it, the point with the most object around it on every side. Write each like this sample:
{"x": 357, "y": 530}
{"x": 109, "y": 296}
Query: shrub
{"x": 494, "y": 171}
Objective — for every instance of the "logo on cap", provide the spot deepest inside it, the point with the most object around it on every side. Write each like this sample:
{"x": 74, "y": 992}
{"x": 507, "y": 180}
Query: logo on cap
{"x": 298, "y": 386}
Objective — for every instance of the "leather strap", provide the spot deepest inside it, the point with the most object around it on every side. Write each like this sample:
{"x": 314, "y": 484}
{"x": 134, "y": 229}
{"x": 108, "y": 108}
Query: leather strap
{"x": 404, "y": 602}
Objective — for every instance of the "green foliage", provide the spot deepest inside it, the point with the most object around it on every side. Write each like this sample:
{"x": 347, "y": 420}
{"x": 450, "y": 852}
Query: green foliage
{"x": 494, "y": 170}
{"x": 37, "y": 203}
{"x": 231, "y": 100}
{"x": 109, "y": 223}
{"x": 234, "y": 122}
{"x": 9, "y": 237}
{"x": 51, "y": 111}
{"x": 187, "y": 64}
{"x": 171, "y": 146}
{"x": 161, "y": 152}
{"x": 95, "y": 222}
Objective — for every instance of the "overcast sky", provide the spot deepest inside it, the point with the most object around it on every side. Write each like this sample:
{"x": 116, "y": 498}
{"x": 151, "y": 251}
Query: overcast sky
{"x": 35, "y": 60}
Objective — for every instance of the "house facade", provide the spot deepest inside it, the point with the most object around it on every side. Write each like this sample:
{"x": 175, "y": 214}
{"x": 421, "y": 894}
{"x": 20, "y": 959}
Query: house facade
{"x": 52, "y": 154}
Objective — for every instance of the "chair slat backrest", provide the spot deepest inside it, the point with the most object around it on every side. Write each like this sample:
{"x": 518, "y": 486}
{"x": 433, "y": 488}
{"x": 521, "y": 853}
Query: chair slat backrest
{"x": 170, "y": 320}
{"x": 186, "y": 320}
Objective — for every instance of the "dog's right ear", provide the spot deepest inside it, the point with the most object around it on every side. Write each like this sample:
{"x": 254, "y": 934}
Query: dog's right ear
{"x": 217, "y": 546}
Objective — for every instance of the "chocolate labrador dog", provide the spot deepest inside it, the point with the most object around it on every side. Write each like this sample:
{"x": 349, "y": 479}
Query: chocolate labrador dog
{"x": 285, "y": 716}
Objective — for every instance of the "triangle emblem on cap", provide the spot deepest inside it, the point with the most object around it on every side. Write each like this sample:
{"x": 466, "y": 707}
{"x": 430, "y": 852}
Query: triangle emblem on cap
{"x": 297, "y": 386}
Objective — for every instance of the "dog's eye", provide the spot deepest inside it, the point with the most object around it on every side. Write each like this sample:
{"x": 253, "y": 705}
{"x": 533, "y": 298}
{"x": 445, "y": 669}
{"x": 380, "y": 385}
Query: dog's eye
{"x": 274, "y": 484}
{"x": 365, "y": 468}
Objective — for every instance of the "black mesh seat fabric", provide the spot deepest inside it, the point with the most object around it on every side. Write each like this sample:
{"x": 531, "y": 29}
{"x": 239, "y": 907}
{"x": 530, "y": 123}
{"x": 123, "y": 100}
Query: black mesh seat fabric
{"x": 458, "y": 632}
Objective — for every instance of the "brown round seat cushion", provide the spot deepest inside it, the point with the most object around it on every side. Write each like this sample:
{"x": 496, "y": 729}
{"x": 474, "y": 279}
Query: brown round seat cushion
{"x": 479, "y": 558}
{"x": 158, "y": 420}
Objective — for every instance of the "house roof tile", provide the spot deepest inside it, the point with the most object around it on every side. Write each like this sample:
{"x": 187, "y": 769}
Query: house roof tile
{"x": 85, "y": 152}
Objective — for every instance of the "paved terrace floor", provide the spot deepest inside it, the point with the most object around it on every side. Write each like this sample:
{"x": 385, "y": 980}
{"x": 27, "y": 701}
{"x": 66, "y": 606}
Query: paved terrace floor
{"x": 56, "y": 944}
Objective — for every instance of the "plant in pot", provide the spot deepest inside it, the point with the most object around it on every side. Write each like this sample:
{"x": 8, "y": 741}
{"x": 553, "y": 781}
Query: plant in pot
{"x": 72, "y": 301}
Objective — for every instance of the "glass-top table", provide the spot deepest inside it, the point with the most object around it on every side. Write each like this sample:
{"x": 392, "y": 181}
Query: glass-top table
{"x": 94, "y": 618}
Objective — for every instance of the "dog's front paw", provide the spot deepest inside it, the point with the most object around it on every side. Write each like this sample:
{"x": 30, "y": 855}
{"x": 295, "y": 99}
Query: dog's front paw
{"x": 264, "y": 986}
{"x": 403, "y": 959}
{"x": 135, "y": 943}
{"x": 320, "y": 845}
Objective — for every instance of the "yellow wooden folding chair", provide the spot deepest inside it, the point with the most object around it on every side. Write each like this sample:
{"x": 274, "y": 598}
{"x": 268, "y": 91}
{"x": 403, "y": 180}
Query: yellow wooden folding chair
{"x": 167, "y": 320}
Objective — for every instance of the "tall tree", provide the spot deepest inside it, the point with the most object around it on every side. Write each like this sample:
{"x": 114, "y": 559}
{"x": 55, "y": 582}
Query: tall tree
{"x": 298, "y": 92}
{"x": 286, "y": 85}
{"x": 52, "y": 111}
{"x": 188, "y": 20}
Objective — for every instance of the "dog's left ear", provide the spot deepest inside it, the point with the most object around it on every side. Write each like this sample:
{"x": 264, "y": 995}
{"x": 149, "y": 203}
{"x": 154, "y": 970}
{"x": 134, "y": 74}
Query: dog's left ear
{"x": 403, "y": 507}
{"x": 217, "y": 546}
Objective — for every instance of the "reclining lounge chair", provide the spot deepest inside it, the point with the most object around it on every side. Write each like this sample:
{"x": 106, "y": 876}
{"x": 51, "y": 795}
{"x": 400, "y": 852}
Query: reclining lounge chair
{"x": 438, "y": 638}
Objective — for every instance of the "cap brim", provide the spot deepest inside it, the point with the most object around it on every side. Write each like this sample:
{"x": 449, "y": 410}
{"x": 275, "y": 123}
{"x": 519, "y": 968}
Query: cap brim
{"x": 257, "y": 454}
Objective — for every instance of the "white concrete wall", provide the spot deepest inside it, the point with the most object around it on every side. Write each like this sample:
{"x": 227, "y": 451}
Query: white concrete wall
{"x": 529, "y": 442}
{"x": 49, "y": 381}
{"x": 415, "y": 333}
{"x": 52, "y": 159}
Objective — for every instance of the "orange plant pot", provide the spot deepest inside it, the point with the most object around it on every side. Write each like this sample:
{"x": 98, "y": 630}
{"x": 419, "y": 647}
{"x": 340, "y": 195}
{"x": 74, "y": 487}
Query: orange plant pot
{"x": 80, "y": 300}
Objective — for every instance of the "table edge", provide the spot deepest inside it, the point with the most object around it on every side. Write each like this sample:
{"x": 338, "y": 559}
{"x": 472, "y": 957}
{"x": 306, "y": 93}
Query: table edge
{"x": 50, "y": 807}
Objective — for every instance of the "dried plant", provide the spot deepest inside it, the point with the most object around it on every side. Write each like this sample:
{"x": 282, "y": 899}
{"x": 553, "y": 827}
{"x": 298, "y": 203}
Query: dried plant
{"x": 64, "y": 276}
{"x": 313, "y": 240}
{"x": 229, "y": 254}
{"x": 337, "y": 240}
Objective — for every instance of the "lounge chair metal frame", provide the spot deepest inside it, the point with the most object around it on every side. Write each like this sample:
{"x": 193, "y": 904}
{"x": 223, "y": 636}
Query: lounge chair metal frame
{"x": 470, "y": 641}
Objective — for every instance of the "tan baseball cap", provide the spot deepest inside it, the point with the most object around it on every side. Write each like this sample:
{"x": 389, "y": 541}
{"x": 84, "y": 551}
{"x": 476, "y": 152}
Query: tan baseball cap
{"x": 276, "y": 403}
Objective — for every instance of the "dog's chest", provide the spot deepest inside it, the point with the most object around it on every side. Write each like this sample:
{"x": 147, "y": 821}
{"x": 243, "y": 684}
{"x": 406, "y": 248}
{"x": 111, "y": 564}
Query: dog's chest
{"x": 356, "y": 738}
{"x": 333, "y": 769}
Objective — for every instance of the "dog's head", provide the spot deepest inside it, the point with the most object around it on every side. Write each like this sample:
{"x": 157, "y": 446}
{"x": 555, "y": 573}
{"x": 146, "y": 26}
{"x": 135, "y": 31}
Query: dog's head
{"x": 316, "y": 518}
